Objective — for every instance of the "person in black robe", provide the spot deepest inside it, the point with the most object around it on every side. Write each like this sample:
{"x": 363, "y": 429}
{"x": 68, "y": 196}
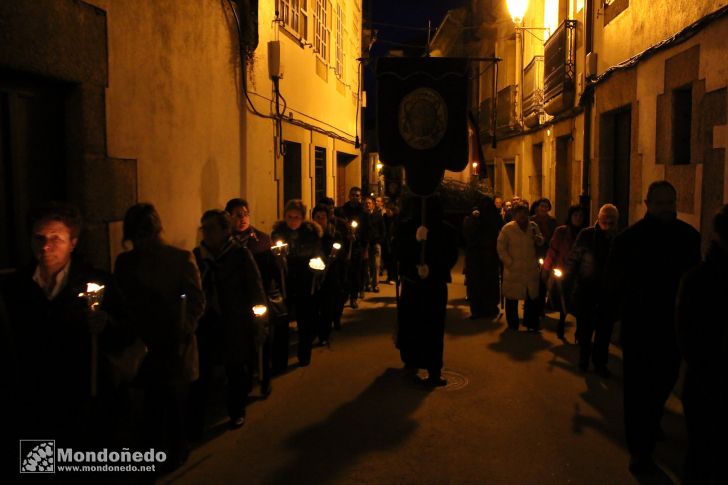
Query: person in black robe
{"x": 426, "y": 248}
{"x": 482, "y": 266}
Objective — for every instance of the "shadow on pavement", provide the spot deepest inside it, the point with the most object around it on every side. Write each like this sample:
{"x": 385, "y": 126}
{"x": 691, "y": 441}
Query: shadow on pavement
{"x": 379, "y": 419}
{"x": 605, "y": 396}
{"x": 520, "y": 346}
{"x": 458, "y": 324}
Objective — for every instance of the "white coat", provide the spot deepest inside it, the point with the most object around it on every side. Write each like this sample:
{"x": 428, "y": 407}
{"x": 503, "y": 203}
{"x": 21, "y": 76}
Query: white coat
{"x": 517, "y": 251}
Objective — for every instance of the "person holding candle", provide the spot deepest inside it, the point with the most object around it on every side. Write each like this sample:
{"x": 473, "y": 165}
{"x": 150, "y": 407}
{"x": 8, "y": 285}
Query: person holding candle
{"x": 355, "y": 215}
{"x": 556, "y": 257}
{"x": 332, "y": 245}
{"x": 516, "y": 245}
{"x": 63, "y": 389}
{"x": 586, "y": 287}
{"x": 303, "y": 239}
{"x": 229, "y": 333}
{"x": 275, "y": 348}
{"x": 161, "y": 285}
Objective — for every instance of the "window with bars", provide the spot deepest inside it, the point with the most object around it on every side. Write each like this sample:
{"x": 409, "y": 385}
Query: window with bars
{"x": 322, "y": 29}
{"x": 293, "y": 15}
{"x": 340, "y": 41}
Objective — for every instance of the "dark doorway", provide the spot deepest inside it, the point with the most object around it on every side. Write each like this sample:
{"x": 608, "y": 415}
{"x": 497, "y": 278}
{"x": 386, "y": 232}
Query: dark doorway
{"x": 535, "y": 180}
{"x": 509, "y": 178}
{"x": 291, "y": 171}
{"x": 342, "y": 188}
{"x": 615, "y": 148}
{"x": 32, "y": 159}
{"x": 563, "y": 177}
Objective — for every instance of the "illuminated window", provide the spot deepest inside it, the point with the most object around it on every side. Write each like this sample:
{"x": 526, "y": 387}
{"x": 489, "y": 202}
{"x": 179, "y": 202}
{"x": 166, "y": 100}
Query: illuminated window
{"x": 340, "y": 41}
{"x": 322, "y": 29}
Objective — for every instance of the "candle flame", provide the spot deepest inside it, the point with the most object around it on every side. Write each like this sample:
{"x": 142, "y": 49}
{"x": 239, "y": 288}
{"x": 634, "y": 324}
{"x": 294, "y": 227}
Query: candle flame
{"x": 540, "y": 261}
{"x": 354, "y": 224}
{"x": 260, "y": 310}
{"x": 316, "y": 264}
{"x": 337, "y": 246}
{"x": 558, "y": 273}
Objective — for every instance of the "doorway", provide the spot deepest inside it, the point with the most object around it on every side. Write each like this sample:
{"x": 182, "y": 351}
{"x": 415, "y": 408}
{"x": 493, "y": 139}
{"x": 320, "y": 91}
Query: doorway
{"x": 615, "y": 147}
{"x": 563, "y": 177}
{"x": 32, "y": 159}
{"x": 291, "y": 171}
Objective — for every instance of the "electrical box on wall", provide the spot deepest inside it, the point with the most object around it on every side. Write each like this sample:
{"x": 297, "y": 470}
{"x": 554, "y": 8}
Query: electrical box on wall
{"x": 591, "y": 65}
{"x": 274, "y": 59}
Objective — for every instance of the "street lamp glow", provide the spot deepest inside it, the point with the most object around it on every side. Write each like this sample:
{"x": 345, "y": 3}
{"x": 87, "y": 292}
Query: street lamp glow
{"x": 517, "y": 9}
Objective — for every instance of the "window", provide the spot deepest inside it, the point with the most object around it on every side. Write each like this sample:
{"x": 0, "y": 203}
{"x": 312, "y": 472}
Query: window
{"x": 319, "y": 173}
{"x": 291, "y": 171}
{"x": 682, "y": 107}
{"x": 340, "y": 41}
{"x": 293, "y": 14}
{"x": 322, "y": 29}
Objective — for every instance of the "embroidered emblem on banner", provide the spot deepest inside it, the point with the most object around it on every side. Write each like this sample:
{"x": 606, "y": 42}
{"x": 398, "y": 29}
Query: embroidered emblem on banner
{"x": 422, "y": 118}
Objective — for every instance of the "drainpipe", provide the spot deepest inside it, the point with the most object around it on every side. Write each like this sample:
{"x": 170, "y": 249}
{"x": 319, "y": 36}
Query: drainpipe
{"x": 585, "y": 197}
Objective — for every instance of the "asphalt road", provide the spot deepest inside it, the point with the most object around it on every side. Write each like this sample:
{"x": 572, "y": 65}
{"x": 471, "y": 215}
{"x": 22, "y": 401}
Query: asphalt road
{"x": 516, "y": 410}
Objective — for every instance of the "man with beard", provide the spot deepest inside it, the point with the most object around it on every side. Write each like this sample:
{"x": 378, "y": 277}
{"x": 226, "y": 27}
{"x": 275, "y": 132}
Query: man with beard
{"x": 644, "y": 270}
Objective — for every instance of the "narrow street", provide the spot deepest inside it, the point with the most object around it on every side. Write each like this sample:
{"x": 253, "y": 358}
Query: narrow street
{"x": 516, "y": 410}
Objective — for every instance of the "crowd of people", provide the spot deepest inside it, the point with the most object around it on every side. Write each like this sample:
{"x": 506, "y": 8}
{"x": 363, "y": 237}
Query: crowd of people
{"x": 603, "y": 275}
{"x": 134, "y": 357}
{"x": 168, "y": 321}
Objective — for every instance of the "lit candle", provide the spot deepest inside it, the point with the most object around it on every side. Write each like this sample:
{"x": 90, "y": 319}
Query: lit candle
{"x": 260, "y": 310}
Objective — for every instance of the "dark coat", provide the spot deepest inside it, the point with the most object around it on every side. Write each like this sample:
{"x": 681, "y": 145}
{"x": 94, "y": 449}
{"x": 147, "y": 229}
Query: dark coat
{"x": 481, "y": 244}
{"x": 645, "y": 265}
{"x": 585, "y": 282}
{"x": 702, "y": 332}
{"x": 303, "y": 244}
{"x": 259, "y": 243}
{"x": 232, "y": 285}
{"x": 361, "y": 235}
{"x": 702, "y": 329}
{"x": 52, "y": 345}
{"x": 547, "y": 226}
{"x": 152, "y": 282}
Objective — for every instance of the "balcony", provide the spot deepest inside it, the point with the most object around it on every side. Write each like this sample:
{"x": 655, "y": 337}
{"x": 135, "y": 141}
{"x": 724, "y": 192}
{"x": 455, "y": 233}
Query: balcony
{"x": 560, "y": 69}
{"x": 506, "y": 118}
{"x": 533, "y": 92}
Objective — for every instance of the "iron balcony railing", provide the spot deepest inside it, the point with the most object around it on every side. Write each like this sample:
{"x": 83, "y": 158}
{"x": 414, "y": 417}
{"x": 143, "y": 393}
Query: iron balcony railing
{"x": 506, "y": 117}
{"x": 560, "y": 62}
{"x": 533, "y": 91}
